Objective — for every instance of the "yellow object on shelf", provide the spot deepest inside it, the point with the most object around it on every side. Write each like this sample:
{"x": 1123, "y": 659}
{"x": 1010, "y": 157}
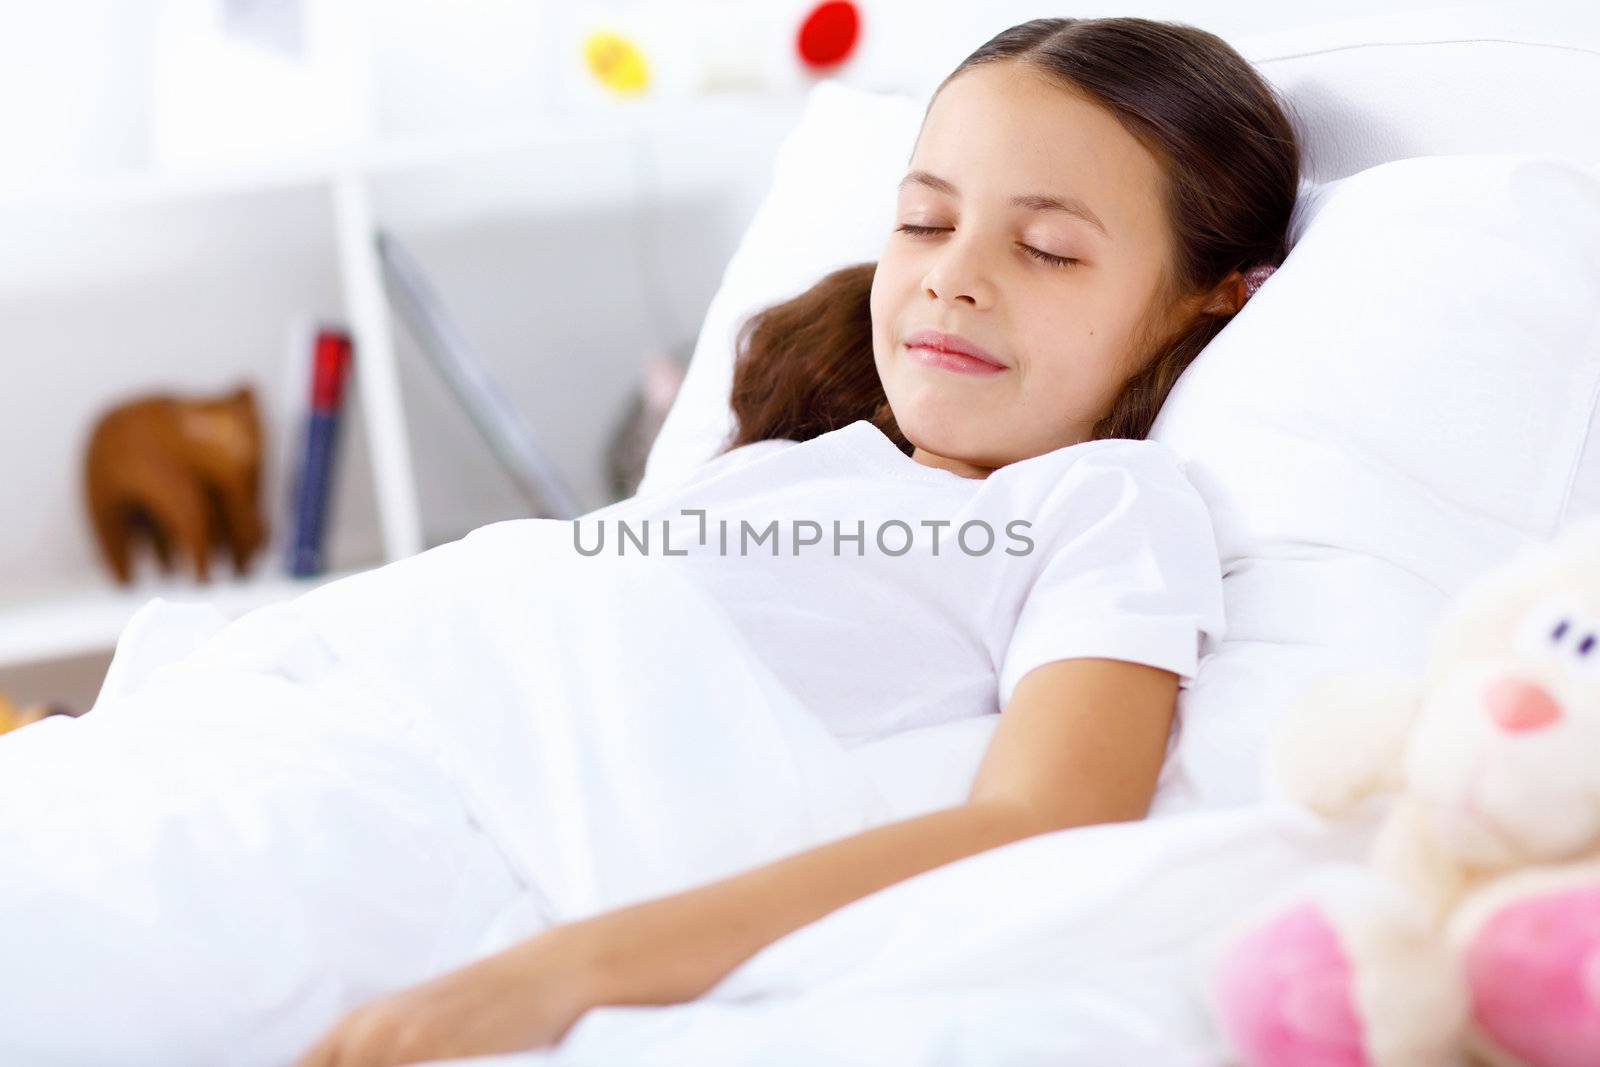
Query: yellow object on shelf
{"x": 11, "y": 717}
{"x": 616, "y": 61}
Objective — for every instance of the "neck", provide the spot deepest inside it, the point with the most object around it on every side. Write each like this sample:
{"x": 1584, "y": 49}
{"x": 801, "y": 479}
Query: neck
{"x": 954, "y": 466}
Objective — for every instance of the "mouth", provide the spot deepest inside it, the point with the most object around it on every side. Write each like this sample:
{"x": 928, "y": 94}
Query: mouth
{"x": 952, "y": 352}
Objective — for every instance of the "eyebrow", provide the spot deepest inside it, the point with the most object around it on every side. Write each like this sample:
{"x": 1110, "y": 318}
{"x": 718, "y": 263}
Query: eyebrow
{"x": 1069, "y": 205}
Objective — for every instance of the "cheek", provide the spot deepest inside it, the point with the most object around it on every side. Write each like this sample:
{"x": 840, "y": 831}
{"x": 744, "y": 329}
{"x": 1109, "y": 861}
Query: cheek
{"x": 1064, "y": 338}
{"x": 890, "y": 278}
{"x": 1103, "y": 334}
{"x": 1075, "y": 369}
{"x": 882, "y": 312}
{"x": 893, "y": 289}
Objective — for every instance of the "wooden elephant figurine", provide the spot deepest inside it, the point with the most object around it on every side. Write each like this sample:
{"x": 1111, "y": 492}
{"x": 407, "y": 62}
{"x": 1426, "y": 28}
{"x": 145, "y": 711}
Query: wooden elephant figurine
{"x": 183, "y": 470}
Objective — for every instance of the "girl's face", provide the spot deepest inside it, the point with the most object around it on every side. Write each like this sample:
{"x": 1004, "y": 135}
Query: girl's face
{"x": 1009, "y": 170}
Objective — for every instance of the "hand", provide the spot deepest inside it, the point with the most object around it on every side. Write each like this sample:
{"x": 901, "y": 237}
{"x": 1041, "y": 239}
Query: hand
{"x": 525, "y": 997}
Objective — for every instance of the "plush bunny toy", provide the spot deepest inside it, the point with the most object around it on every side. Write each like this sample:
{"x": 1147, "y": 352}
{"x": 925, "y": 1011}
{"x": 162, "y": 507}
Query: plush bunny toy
{"x": 1474, "y": 929}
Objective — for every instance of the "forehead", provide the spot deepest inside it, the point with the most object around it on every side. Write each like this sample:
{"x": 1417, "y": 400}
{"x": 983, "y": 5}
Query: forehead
{"x": 1004, "y": 128}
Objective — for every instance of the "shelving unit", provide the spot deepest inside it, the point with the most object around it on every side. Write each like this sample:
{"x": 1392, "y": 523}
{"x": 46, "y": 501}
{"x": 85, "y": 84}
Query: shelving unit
{"x": 196, "y": 282}
{"x": 76, "y": 624}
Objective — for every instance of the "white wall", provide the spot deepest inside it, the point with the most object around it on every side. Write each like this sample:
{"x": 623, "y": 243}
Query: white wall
{"x": 916, "y": 43}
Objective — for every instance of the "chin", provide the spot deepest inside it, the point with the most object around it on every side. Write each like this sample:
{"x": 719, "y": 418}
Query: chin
{"x": 941, "y": 428}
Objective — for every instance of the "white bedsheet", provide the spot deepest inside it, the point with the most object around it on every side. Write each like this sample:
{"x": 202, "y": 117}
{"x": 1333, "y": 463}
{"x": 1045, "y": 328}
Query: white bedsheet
{"x": 263, "y": 824}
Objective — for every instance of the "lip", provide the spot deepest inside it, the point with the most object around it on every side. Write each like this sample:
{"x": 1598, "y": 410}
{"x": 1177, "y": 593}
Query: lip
{"x": 951, "y": 351}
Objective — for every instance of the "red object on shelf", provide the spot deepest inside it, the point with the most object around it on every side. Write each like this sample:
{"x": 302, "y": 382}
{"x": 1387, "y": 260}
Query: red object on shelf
{"x": 828, "y": 34}
{"x": 331, "y": 362}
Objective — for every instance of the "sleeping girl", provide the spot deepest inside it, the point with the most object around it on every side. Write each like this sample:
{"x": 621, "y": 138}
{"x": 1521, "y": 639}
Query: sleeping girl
{"x": 445, "y": 807}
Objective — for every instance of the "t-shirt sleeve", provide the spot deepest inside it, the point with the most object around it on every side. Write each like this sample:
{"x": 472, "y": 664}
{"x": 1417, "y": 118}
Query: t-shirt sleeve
{"x": 1132, "y": 571}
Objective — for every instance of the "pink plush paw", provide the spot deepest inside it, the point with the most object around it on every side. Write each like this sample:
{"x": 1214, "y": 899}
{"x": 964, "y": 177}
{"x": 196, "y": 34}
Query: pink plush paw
{"x": 1534, "y": 971}
{"x": 1284, "y": 998}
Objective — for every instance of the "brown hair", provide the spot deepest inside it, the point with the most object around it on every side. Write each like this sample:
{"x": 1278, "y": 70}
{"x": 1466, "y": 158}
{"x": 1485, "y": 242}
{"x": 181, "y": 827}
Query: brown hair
{"x": 805, "y": 366}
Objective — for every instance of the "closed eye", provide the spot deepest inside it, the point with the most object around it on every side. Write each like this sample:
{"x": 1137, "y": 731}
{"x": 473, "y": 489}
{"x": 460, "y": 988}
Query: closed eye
{"x": 1043, "y": 257}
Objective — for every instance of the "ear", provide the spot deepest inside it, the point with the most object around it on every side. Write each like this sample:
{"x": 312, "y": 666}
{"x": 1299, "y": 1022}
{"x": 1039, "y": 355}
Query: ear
{"x": 1227, "y": 298}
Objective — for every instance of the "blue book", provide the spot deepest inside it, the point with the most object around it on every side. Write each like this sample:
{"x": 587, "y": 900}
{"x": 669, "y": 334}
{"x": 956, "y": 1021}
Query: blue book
{"x": 331, "y": 368}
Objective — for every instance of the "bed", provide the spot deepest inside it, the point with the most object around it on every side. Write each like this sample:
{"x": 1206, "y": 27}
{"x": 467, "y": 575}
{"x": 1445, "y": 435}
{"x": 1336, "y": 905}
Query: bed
{"x": 1411, "y": 398}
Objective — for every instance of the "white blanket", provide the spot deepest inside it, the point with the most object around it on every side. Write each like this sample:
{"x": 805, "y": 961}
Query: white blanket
{"x": 1088, "y": 946}
{"x": 262, "y": 824}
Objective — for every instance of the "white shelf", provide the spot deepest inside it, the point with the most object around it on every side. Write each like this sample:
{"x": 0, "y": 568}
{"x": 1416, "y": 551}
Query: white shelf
{"x": 89, "y": 621}
{"x": 191, "y": 279}
{"x": 562, "y": 138}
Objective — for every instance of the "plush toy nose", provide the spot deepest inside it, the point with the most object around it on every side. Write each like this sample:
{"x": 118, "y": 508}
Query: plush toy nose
{"x": 1518, "y": 705}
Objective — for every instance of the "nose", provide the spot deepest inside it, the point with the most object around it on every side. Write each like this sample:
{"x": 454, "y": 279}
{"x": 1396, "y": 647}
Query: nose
{"x": 956, "y": 274}
{"x": 1515, "y": 705}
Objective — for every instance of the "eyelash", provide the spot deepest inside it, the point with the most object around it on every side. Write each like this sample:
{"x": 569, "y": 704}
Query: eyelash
{"x": 1043, "y": 257}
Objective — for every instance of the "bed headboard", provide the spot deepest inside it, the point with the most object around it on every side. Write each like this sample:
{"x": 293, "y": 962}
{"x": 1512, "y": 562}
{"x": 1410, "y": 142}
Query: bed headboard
{"x": 1418, "y": 84}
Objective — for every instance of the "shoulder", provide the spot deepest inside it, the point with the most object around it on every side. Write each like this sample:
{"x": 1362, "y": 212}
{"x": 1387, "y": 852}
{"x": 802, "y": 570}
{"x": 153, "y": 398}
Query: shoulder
{"x": 1138, "y": 454}
{"x": 1126, "y": 451}
{"x": 1114, "y": 490}
{"x": 1139, "y": 464}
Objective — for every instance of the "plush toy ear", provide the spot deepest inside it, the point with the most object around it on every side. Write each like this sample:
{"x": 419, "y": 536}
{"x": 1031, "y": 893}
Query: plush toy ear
{"x": 1344, "y": 740}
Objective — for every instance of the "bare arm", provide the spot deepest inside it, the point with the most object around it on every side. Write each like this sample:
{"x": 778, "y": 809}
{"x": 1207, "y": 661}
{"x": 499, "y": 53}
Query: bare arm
{"x": 1081, "y": 742}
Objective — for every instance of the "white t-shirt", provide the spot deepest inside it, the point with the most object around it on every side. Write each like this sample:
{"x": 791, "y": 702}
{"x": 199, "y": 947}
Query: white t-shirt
{"x": 890, "y": 595}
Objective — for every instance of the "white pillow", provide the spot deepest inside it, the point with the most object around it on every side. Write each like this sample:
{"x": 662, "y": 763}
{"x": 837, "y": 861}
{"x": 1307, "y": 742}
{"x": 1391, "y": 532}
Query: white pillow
{"x": 1397, "y": 410}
